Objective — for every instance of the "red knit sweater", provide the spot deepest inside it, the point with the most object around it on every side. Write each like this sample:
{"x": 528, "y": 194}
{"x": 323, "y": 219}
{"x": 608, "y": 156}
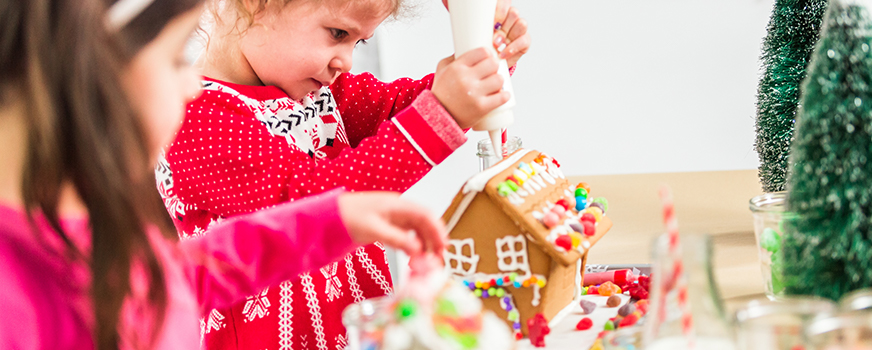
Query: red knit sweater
{"x": 244, "y": 148}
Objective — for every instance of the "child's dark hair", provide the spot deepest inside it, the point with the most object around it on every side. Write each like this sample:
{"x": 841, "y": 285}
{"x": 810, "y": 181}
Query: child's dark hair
{"x": 59, "y": 61}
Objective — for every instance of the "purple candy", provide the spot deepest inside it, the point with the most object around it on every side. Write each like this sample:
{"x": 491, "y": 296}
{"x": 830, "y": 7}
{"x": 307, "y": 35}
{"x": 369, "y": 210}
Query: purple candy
{"x": 508, "y": 307}
{"x": 484, "y": 294}
{"x": 472, "y": 287}
{"x": 577, "y": 227}
{"x": 627, "y": 309}
{"x": 516, "y": 325}
{"x": 587, "y": 306}
{"x": 598, "y": 205}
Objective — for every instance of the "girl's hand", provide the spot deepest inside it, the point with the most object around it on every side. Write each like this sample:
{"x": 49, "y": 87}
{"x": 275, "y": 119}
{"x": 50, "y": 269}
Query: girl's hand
{"x": 385, "y": 217}
{"x": 511, "y": 38}
{"x": 510, "y": 32}
{"x": 469, "y": 87}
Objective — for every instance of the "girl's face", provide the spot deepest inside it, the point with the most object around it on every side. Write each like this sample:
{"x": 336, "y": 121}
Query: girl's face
{"x": 159, "y": 82}
{"x": 305, "y": 44}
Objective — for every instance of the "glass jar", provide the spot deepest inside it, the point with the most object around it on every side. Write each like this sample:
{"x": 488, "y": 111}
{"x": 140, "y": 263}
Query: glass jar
{"x": 844, "y": 331}
{"x": 857, "y": 300}
{"x": 769, "y": 214}
{"x": 686, "y": 309}
{"x": 778, "y": 325}
{"x": 485, "y": 152}
{"x": 629, "y": 338}
{"x": 365, "y": 321}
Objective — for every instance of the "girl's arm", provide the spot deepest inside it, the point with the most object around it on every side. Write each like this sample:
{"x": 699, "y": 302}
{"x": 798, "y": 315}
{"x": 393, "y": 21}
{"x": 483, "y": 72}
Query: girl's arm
{"x": 224, "y": 162}
{"x": 365, "y": 102}
{"x": 241, "y": 256}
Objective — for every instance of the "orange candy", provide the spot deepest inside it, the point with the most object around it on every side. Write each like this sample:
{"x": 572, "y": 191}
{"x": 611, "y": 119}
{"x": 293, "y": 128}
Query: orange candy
{"x": 609, "y": 289}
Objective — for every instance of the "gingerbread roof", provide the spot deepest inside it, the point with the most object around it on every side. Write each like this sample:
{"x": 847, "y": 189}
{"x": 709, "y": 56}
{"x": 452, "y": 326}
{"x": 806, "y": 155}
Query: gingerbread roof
{"x": 527, "y": 204}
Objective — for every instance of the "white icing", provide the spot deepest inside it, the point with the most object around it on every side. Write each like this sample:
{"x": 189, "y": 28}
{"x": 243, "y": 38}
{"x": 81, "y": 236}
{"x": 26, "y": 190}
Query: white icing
{"x": 459, "y": 258}
{"x": 517, "y": 258}
{"x": 520, "y": 175}
{"x": 536, "y": 185}
{"x": 479, "y": 181}
{"x": 585, "y": 244}
{"x": 537, "y": 215}
{"x": 536, "y": 295}
{"x": 549, "y": 178}
{"x": 461, "y": 208}
{"x": 515, "y": 199}
{"x": 567, "y": 193}
{"x": 522, "y": 193}
{"x": 538, "y": 180}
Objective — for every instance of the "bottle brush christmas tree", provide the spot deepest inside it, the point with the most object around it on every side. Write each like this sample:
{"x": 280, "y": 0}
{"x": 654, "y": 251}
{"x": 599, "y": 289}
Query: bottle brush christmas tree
{"x": 791, "y": 35}
{"x": 828, "y": 247}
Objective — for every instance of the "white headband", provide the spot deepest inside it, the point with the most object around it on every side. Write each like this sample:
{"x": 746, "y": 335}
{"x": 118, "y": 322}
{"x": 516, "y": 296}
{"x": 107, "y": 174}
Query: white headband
{"x": 123, "y": 11}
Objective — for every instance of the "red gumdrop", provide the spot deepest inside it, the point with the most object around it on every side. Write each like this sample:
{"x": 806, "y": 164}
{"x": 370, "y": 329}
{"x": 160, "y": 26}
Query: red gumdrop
{"x": 630, "y": 320}
{"x": 593, "y": 290}
{"x": 564, "y": 241}
{"x": 589, "y": 228}
{"x": 519, "y": 336}
{"x": 588, "y": 217}
{"x": 537, "y": 329}
{"x": 584, "y": 324}
{"x": 564, "y": 203}
{"x": 550, "y": 220}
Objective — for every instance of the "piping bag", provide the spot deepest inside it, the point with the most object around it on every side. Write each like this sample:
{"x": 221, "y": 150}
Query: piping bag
{"x": 472, "y": 23}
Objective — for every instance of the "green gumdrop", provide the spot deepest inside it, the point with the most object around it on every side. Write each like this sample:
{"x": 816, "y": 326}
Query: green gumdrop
{"x": 513, "y": 315}
{"x": 504, "y": 190}
{"x": 583, "y": 290}
{"x": 467, "y": 341}
{"x": 603, "y": 201}
{"x": 445, "y": 307}
{"x": 406, "y": 309}
{"x": 581, "y": 192}
{"x": 770, "y": 240}
{"x": 609, "y": 326}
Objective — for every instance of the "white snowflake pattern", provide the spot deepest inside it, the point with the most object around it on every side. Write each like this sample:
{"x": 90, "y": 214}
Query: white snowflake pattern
{"x": 332, "y": 284}
{"x": 214, "y": 321}
{"x": 256, "y": 306}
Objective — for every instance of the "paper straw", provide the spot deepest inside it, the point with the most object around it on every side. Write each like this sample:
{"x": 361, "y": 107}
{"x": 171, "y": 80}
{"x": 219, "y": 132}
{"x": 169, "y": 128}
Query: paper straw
{"x": 505, "y": 138}
{"x": 671, "y": 223}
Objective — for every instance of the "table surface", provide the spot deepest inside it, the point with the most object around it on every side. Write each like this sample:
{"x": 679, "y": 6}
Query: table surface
{"x": 714, "y": 202}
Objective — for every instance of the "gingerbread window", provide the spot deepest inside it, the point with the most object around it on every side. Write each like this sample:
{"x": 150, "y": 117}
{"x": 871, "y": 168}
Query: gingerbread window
{"x": 460, "y": 257}
{"x": 512, "y": 254}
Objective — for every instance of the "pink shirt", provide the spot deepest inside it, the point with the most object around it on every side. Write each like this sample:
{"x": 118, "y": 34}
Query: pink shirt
{"x": 44, "y": 302}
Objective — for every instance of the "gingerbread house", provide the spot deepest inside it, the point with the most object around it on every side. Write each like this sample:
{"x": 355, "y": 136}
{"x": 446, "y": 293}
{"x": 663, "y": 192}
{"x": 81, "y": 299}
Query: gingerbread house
{"x": 519, "y": 237}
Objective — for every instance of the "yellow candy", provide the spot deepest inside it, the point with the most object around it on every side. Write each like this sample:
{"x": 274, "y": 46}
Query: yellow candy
{"x": 576, "y": 239}
{"x": 596, "y": 212}
{"x": 597, "y": 345}
{"x": 540, "y": 283}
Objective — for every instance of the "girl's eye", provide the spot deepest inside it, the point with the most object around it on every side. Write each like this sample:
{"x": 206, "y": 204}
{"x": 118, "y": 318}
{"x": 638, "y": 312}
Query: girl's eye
{"x": 360, "y": 42}
{"x": 338, "y": 34}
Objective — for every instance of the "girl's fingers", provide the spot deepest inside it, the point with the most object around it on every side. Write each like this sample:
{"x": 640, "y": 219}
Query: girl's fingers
{"x": 429, "y": 230}
{"x": 495, "y": 100}
{"x": 503, "y": 7}
{"x": 511, "y": 18}
{"x": 473, "y": 57}
{"x": 518, "y": 30}
{"x": 485, "y": 67}
{"x": 519, "y": 46}
{"x": 492, "y": 84}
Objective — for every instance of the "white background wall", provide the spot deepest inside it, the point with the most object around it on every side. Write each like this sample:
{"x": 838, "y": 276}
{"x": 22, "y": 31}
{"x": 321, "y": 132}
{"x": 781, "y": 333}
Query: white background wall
{"x": 610, "y": 87}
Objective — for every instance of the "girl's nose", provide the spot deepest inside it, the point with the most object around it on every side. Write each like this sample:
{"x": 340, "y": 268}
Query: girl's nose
{"x": 342, "y": 61}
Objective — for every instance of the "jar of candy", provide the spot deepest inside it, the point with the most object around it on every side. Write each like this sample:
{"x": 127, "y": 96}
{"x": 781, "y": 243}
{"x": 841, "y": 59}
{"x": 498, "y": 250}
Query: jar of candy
{"x": 778, "y": 325}
{"x": 686, "y": 310}
{"x": 485, "y": 152}
{"x": 365, "y": 323}
{"x": 629, "y": 338}
{"x": 769, "y": 214}
{"x": 847, "y": 330}
{"x": 857, "y": 300}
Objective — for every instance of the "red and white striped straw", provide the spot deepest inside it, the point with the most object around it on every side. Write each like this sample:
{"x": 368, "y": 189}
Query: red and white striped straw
{"x": 505, "y": 138}
{"x": 680, "y": 282}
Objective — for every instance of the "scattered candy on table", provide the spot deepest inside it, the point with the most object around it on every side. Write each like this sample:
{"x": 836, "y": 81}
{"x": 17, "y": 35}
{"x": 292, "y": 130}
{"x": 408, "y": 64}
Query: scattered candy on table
{"x": 587, "y": 306}
{"x": 608, "y": 289}
{"x": 626, "y": 309}
{"x": 584, "y": 324}
{"x": 613, "y": 301}
{"x": 537, "y": 329}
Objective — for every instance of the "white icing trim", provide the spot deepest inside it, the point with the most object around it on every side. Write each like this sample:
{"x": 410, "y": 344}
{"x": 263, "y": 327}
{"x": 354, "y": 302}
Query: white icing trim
{"x": 412, "y": 141}
{"x": 472, "y": 259}
{"x": 478, "y": 181}
{"x": 512, "y": 254}
{"x": 536, "y": 295}
{"x": 563, "y": 312}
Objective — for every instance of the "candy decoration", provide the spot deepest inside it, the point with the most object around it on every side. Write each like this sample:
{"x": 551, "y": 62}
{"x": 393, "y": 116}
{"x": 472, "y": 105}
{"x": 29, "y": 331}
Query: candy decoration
{"x": 630, "y": 320}
{"x": 564, "y": 204}
{"x": 609, "y": 326}
{"x": 588, "y": 217}
{"x": 609, "y": 289}
{"x": 537, "y": 329}
{"x": 597, "y": 205}
{"x": 580, "y": 203}
{"x": 584, "y": 324}
{"x": 596, "y": 211}
{"x": 587, "y": 306}
{"x": 642, "y": 306}
{"x": 581, "y": 192}
{"x": 559, "y": 211}
{"x": 564, "y": 241}
{"x": 583, "y": 185}
{"x": 770, "y": 240}
{"x": 603, "y": 202}
{"x": 576, "y": 239}
{"x": 589, "y": 228}
{"x": 406, "y": 308}
{"x": 613, "y": 301}
{"x": 551, "y": 220}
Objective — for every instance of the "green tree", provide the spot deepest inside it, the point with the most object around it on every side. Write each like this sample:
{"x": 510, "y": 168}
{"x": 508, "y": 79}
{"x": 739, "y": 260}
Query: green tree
{"x": 828, "y": 248}
{"x": 791, "y": 35}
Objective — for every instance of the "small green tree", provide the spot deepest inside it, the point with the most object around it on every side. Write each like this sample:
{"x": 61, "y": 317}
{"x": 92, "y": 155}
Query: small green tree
{"x": 828, "y": 248}
{"x": 791, "y": 35}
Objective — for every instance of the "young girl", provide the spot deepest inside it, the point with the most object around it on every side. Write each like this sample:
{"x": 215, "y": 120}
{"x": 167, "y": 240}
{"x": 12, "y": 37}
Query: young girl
{"x": 281, "y": 119}
{"x": 83, "y": 252}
